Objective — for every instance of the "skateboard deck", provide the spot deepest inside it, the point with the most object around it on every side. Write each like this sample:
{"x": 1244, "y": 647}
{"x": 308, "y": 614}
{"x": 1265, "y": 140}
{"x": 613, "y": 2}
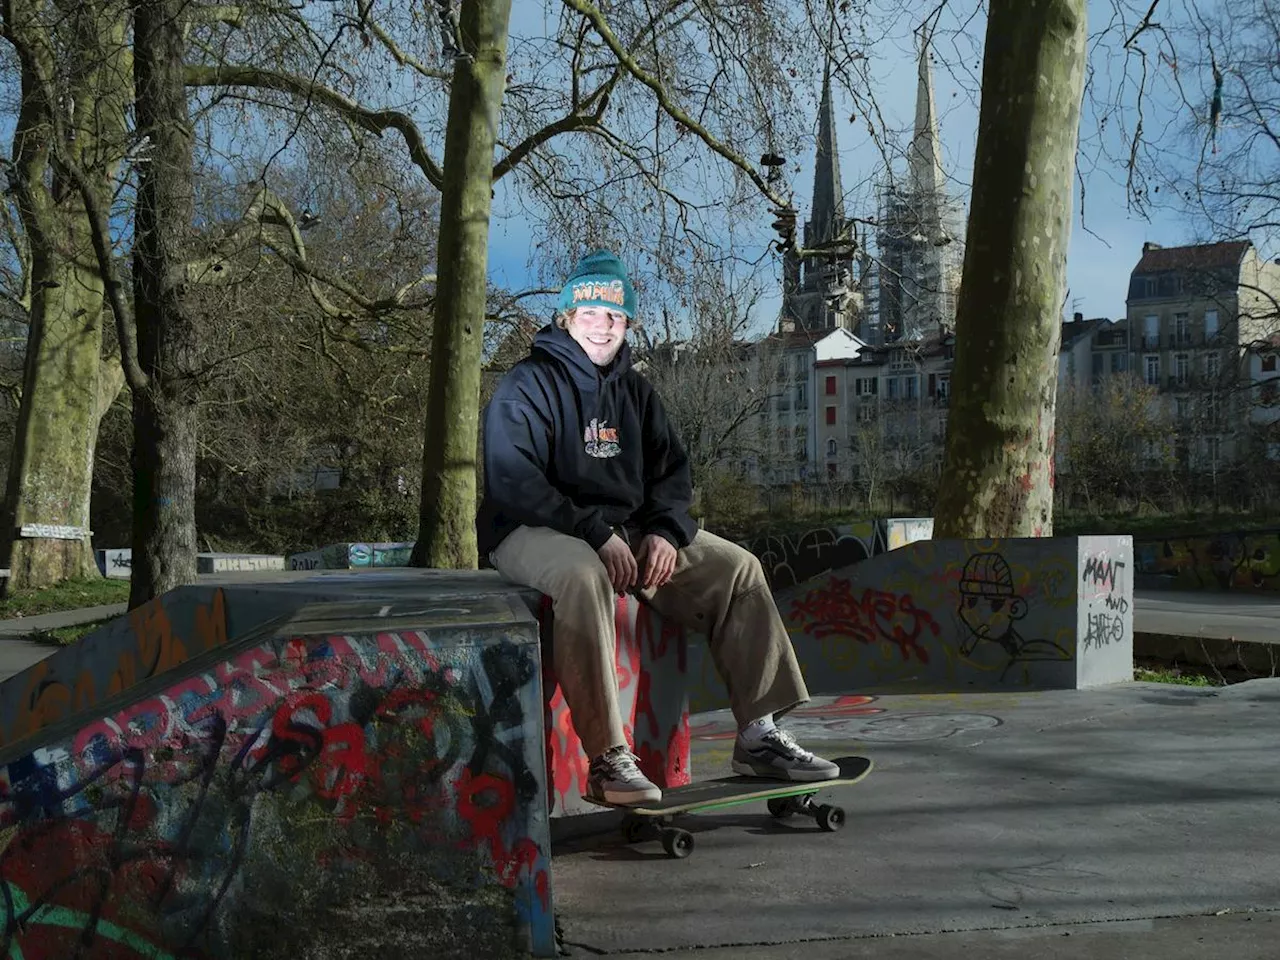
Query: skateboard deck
{"x": 784, "y": 798}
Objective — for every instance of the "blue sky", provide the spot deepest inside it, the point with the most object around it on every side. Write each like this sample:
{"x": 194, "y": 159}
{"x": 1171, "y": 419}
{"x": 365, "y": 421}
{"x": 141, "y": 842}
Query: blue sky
{"x": 1099, "y": 259}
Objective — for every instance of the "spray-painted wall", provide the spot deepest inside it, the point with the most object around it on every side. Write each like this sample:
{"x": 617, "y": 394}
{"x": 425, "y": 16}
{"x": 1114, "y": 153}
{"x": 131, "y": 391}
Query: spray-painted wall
{"x": 1247, "y": 561}
{"x": 377, "y": 783}
{"x": 652, "y": 661}
{"x": 957, "y": 615}
{"x": 353, "y": 556}
{"x": 792, "y": 558}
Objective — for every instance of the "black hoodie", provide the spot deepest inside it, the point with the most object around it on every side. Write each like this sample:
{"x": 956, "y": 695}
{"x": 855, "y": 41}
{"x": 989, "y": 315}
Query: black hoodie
{"x": 581, "y": 449}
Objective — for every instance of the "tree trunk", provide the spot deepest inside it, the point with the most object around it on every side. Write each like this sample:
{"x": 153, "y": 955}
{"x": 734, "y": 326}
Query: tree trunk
{"x": 83, "y": 60}
{"x": 164, "y": 417}
{"x": 998, "y": 475}
{"x": 446, "y": 529}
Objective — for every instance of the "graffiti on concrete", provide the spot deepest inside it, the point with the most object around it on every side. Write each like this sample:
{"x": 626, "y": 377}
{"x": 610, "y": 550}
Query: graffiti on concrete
{"x": 990, "y": 609}
{"x": 1246, "y": 561}
{"x": 792, "y": 558}
{"x": 152, "y": 831}
{"x": 50, "y": 691}
{"x": 1104, "y": 601}
{"x": 652, "y": 663}
{"x": 833, "y": 610}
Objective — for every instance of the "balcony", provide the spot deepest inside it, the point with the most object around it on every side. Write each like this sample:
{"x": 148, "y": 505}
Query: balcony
{"x": 1149, "y": 341}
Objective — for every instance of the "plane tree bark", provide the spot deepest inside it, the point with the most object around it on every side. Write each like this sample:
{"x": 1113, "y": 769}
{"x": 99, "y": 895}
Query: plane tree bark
{"x": 997, "y": 478}
{"x": 74, "y": 86}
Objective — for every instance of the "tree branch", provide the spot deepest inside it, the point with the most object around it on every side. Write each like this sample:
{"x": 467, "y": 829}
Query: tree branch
{"x": 376, "y": 122}
{"x": 677, "y": 113}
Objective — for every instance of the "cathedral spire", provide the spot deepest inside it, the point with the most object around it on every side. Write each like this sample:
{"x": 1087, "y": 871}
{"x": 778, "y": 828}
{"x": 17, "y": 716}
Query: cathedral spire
{"x": 827, "y": 217}
{"x": 924, "y": 161}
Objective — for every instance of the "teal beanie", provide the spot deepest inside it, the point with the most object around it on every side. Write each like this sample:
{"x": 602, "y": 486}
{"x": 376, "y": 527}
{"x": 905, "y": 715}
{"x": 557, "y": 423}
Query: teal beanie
{"x": 599, "y": 280}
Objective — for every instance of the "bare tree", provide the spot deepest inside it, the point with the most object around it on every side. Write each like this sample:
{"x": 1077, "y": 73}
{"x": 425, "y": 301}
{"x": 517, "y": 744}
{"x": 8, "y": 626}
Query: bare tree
{"x": 69, "y": 140}
{"x": 1109, "y": 436}
{"x": 714, "y": 377}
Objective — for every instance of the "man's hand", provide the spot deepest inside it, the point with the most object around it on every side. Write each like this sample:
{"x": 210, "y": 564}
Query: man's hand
{"x": 657, "y": 558}
{"x": 619, "y": 562}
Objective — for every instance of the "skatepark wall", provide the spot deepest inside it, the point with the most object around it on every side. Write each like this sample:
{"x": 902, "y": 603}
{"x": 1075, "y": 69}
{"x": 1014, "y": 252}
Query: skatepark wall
{"x": 1242, "y": 561}
{"x": 352, "y": 780}
{"x": 792, "y": 558}
{"x": 1036, "y": 613}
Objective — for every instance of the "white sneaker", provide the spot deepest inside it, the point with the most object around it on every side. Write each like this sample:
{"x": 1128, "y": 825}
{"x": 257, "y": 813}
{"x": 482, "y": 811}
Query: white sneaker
{"x": 776, "y": 755}
{"x": 614, "y": 777}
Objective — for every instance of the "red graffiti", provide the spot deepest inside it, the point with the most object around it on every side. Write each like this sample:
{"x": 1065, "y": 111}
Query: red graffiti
{"x": 833, "y": 610}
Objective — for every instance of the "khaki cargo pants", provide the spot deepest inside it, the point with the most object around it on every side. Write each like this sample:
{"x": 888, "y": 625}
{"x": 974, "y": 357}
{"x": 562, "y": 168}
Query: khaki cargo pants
{"x": 717, "y": 589}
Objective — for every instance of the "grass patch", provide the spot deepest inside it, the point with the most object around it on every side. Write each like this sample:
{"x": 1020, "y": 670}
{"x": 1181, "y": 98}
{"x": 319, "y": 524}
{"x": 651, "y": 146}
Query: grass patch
{"x": 65, "y": 636}
{"x": 1182, "y": 676}
{"x": 68, "y": 595}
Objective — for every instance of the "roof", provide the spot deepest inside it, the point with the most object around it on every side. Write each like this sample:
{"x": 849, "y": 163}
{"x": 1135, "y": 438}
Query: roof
{"x": 1075, "y": 330}
{"x": 1201, "y": 256}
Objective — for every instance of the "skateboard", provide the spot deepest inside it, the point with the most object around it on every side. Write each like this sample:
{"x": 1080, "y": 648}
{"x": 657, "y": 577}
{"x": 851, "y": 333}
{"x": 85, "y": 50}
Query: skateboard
{"x": 784, "y": 798}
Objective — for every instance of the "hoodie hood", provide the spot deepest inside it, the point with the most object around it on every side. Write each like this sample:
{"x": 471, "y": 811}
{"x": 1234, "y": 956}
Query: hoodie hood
{"x": 557, "y": 343}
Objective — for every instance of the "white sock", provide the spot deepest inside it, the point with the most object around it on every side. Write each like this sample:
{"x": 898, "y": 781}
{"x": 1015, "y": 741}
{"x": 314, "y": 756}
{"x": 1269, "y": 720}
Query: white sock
{"x": 756, "y": 729}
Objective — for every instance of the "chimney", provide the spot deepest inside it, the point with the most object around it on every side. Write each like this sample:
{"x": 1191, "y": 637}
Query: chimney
{"x": 1077, "y": 317}
{"x": 1148, "y": 245}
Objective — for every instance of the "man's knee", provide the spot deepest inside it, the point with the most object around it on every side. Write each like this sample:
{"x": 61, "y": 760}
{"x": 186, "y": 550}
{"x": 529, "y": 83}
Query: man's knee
{"x": 584, "y": 580}
{"x": 735, "y": 563}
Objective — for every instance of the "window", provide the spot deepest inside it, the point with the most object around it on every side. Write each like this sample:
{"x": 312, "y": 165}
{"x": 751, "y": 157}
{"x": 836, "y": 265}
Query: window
{"x": 802, "y": 396}
{"x": 1212, "y": 366}
{"x": 831, "y": 471}
{"x": 1153, "y": 371}
{"x": 831, "y": 447}
{"x": 831, "y": 415}
{"x": 1181, "y": 334}
{"x": 1210, "y": 324}
{"x": 831, "y": 386}
{"x": 1269, "y": 363}
{"x": 1269, "y": 392}
{"x": 1181, "y": 407}
{"x": 1149, "y": 286}
{"x": 1212, "y": 409}
{"x": 944, "y": 387}
{"x": 1151, "y": 332}
{"x": 891, "y": 388}
{"x": 866, "y": 386}
{"x": 866, "y": 414}
{"x": 1119, "y": 363}
{"x": 1097, "y": 361}
{"x": 1213, "y": 448}
{"x": 1182, "y": 368}
{"x": 910, "y": 387}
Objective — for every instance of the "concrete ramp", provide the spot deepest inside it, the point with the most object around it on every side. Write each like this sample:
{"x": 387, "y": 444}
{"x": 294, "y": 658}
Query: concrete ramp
{"x": 346, "y": 770}
{"x": 960, "y": 615}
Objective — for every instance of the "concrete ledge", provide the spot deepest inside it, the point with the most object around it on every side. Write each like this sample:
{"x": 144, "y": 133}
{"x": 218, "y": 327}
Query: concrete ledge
{"x": 368, "y": 772}
{"x": 1251, "y": 658}
{"x": 1037, "y": 613}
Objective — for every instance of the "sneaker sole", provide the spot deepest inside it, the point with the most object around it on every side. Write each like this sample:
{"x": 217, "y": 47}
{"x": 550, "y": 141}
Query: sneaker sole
{"x": 628, "y": 799}
{"x": 782, "y": 773}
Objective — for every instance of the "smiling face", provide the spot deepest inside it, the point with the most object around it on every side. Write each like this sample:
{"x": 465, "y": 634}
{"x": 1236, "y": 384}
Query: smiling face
{"x": 599, "y": 332}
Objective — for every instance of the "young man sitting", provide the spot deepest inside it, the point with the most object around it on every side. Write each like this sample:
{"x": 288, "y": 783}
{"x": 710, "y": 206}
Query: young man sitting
{"x": 578, "y": 449}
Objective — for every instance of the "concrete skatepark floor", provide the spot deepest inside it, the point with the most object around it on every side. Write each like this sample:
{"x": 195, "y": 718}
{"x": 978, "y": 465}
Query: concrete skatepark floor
{"x": 990, "y": 818}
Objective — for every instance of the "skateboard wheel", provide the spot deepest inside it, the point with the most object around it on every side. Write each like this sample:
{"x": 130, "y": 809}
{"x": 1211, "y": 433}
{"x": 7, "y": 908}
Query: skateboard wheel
{"x": 632, "y": 829}
{"x": 780, "y": 808}
{"x": 830, "y": 818}
{"x": 678, "y": 843}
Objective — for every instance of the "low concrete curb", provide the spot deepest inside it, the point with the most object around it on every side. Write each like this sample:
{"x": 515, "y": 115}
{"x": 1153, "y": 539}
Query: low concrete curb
{"x": 1251, "y": 657}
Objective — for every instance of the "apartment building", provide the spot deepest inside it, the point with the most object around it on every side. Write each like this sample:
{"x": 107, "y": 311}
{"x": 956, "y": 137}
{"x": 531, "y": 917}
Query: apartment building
{"x": 1192, "y": 311}
{"x": 881, "y": 406}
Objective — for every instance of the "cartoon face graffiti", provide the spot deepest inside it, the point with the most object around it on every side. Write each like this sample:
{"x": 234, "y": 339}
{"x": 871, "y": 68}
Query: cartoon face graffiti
{"x": 989, "y": 606}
